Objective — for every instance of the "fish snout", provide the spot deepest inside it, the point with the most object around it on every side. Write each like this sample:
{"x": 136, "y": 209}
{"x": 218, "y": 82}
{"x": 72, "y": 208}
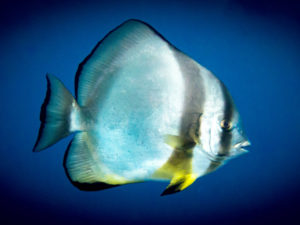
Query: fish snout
{"x": 239, "y": 148}
{"x": 242, "y": 144}
{"x": 245, "y": 143}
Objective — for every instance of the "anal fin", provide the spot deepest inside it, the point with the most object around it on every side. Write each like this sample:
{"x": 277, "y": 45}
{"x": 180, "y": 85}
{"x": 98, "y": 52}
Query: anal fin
{"x": 84, "y": 167}
{"x": 93, "y": 186}
{"x": 179, "y": 183}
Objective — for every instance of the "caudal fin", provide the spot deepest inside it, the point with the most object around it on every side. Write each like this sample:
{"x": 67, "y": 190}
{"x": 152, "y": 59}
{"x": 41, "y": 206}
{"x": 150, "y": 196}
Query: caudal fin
{"x": 56, "y": 113}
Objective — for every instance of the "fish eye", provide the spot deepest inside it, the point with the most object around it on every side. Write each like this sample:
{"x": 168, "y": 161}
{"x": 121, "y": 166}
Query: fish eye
{"x": 226, "y": 125}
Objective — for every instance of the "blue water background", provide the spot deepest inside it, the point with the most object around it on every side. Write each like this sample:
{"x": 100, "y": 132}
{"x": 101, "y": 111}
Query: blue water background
{"x": 252, "y": 46}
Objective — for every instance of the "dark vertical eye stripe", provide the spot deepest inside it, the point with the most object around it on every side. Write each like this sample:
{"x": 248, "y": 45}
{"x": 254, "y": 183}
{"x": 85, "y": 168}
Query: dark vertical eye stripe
{"x": 226, "y": 136}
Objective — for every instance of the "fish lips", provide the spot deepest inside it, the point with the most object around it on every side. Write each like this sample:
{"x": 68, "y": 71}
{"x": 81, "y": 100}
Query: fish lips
{"x": 240, "y": 146}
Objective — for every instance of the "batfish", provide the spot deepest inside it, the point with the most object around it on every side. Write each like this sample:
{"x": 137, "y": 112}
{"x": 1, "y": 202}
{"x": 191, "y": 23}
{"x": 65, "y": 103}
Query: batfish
{"x": 143, "y": 110}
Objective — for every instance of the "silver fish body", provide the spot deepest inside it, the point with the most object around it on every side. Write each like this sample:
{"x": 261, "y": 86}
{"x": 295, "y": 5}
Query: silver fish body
{"x": 143, "y": 111}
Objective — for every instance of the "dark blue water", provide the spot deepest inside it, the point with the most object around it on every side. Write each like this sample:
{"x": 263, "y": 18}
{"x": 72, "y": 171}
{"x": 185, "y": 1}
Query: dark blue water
{"x": 252, "y": 46}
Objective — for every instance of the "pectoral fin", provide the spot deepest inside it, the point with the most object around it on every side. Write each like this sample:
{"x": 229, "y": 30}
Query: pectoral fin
{"x": 178, "y": 142}
{"x": 179, "y": 183}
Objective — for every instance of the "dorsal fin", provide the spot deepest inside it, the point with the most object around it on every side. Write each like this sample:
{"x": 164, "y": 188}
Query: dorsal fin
{"x": 109, "y": 54}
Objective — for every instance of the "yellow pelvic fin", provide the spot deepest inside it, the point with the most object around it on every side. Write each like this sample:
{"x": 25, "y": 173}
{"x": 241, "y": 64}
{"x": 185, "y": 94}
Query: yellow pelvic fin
{"x": 180, "y": 162}
{"x": 178, "y": 167}
{"x": 179, "y": 183}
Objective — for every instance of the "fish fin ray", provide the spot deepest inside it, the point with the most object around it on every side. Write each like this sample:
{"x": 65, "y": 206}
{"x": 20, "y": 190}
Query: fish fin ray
{"x": 108, "y": 54}
{"x": 179, "y": 183}
{"x": 178, "y": 142}
{"x": 55, "y": 114}
{"x": 84, "y": 168}
{"x": 93, "y": 186}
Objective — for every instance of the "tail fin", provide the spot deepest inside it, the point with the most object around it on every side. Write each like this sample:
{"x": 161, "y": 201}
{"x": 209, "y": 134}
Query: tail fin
{"x": 57, "y": 111}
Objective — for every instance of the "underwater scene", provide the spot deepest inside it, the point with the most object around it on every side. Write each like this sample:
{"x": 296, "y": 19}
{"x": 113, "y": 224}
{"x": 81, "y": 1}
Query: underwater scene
{"x": 86, "y": 86}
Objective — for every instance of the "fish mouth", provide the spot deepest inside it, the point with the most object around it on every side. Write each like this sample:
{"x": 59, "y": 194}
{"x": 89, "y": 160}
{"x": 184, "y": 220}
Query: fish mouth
{"x": 243, "y": 144}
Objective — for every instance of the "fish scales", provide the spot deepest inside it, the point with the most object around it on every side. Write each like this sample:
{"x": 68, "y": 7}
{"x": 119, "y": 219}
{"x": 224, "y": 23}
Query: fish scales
{"x": 143, "y": 111}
